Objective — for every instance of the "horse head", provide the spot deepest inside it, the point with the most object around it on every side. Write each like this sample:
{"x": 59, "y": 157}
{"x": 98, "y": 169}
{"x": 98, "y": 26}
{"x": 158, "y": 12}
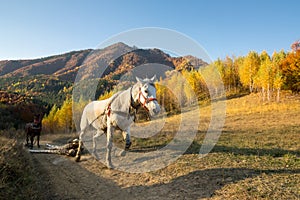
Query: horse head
{"x": 147, "y": 95}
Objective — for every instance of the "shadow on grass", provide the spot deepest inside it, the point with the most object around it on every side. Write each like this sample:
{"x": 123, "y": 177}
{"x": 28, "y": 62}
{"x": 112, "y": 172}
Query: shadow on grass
{"x": 202, "y": 183}
{"x": 274, "y": 152}
{"x": 195, "y": 148}
{"x": 237, "y": 95}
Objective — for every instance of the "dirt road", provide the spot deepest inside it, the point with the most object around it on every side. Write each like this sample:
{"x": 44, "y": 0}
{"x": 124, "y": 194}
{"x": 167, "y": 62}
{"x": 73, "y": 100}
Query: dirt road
{"x": 65, "y": 179}
{"x": 60, "y": 177}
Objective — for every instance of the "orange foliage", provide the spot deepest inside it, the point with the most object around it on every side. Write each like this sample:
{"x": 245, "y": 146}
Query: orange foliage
{"x": 291, "y": 71}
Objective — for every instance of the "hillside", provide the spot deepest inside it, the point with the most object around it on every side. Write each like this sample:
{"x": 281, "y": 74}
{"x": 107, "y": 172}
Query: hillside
{"x": 53, "y": 65}
{"x": 48, "y": 81}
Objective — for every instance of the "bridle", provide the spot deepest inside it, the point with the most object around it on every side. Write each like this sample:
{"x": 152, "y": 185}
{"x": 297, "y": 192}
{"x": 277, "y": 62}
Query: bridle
{"x": 133, "y": 105}
{"x": 146, "y": 100}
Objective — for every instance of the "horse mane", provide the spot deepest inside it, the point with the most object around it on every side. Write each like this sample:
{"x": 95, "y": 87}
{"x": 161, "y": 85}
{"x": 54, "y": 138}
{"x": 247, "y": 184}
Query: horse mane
{"x": 122, "y": 101}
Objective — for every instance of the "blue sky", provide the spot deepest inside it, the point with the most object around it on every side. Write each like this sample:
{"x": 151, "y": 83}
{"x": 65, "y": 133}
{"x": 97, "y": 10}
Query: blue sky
{"x": 35, "y": 28}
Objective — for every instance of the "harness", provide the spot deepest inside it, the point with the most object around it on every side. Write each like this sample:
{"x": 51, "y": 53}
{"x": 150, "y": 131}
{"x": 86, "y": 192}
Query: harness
{"x": 133, "y": 107}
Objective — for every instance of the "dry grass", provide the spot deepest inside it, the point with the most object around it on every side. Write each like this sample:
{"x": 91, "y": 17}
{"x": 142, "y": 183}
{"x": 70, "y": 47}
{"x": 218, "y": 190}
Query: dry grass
{"x": 17, "y": 179}
{"x": 257, "y": 156}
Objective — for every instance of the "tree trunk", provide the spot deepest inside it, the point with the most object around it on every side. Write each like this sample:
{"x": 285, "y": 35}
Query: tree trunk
{"x": 278, "y": 95}
{"x": 268, "y": 92}
{"x": 251, "y": 88}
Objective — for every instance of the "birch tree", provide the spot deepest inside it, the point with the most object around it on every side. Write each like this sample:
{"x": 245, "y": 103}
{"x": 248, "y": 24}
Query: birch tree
{"x": 249, "y": 69}
{"x": 264, "y": 77}
{"x": 277, "y": 59}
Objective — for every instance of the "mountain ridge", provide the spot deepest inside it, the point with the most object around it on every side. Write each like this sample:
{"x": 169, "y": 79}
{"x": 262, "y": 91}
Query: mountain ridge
{"x": 66, "y": 65}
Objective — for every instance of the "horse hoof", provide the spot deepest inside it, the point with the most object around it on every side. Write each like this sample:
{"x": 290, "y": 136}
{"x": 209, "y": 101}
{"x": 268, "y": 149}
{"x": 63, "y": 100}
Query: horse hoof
{"x": 122, "y": 153}
{"x": 127, "y": 146}
{"x": 110, "y": 166}
{"x": 77, "y": 158}
{"x": 96, "y": 155}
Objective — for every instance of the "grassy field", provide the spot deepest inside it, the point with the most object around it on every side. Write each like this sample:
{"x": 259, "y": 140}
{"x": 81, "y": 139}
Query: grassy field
{"x": 257, "y": 157}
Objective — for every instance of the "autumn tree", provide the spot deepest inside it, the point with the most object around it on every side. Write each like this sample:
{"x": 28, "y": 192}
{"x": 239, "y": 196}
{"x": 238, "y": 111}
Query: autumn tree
{"x": 264, "y": 76}
{"x": 65, "y": 117}
{"x": 212, "y": 78}
{"x": 50, "y": 120}
{"x": 249, "y": 69}
{"x": 237, "y": 62}
{"x": 196, "y": 83}
{"x": 291, "y": 71}
{"x": 165, "y": 96}
{"x": 60, "y": 119}
{"x": 277, "y": 59}
{"x": 229, "y": 73}
{"x": 295, "y": 46}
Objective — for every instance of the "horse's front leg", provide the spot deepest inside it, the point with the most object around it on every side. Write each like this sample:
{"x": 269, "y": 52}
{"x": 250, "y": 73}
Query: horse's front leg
{"x": 27, "y": 138}
{"x": 38, "y": 140}
{"x": 31, "y": 140}
{"x": 110, "y": 131}
{"x": 126, "y": 136}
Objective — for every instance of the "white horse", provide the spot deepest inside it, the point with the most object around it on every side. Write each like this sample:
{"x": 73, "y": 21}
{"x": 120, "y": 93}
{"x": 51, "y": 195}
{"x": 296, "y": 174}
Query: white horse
{"x": 118, "y": 112}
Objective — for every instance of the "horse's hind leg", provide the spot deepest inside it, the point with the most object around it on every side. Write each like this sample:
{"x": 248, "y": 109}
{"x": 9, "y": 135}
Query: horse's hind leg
{"x": 98, "y": 134}
{"x": 31, "y": 141}
{"x": 78, "y": 155}
{"x": 109, "y": 136}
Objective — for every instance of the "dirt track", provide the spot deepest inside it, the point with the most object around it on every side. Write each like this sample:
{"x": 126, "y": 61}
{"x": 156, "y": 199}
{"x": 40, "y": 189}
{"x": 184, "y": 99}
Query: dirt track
{"x": 65, "y": 179}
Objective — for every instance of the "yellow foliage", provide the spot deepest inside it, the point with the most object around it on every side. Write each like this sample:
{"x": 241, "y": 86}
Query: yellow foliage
{"x": 106, "y": 95}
